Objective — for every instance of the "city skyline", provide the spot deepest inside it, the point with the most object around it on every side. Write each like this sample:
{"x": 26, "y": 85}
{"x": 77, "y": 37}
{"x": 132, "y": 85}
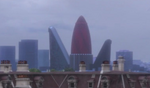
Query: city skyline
{"x": 126, "y": 23}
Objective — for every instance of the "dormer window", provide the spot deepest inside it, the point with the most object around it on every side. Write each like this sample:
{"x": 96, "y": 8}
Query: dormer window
{"x": 132, "y": 83}
{"x": 72, "y": 85}
{"x": 104, "y": 82}
{"x": 72, "y": 82}
{"x": 39, "y": 81}
{"x": 143, "y": 82}
{"x": 6, "y": 82}
{"x": 105, "y": 85}
{"x": 90, "y": 83}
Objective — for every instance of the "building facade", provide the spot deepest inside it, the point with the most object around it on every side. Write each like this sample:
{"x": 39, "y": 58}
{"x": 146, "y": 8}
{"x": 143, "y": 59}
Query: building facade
{"x": 106, "y": 78}
{"x": 8, "y": 53}
{"x": 59, "y": 58}
{"x": 28, "y": 50}
{"x": 128, "y": 56}
{"x": 43, "y": 59}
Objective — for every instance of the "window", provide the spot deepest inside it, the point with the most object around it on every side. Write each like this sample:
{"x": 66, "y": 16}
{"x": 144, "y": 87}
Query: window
{"x": 132, "y": 83}
{"x": 90, "y": 84}
{"x": 143, "y": 83}
{"x": 104, "y": 85}
{"x": 105, "y": 82}
{"x": 71, "y": 84}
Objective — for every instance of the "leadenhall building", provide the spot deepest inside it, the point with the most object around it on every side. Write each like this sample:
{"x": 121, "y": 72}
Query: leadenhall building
{"x": 117, "y": 78}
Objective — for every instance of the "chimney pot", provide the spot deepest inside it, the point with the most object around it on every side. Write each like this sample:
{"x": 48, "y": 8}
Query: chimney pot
{"x": 121, "y": 63}
{"x": 105, "y": 67}
{"x": 82, "y": 66}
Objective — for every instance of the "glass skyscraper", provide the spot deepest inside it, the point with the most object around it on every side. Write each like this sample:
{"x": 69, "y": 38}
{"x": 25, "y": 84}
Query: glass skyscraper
{"x": 59, "y": 58}
{"x": 28, "y": 50}
{"x": 43, "y": 59}
{"x": 8, "y": 53}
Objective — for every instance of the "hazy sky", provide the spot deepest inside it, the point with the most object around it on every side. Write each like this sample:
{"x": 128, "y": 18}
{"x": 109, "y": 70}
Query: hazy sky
{"x": 125, "y": 22}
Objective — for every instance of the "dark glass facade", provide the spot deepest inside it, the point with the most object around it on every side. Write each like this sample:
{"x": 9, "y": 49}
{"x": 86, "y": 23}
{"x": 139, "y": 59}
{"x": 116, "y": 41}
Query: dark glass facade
{"x": 103, "y": 55}
{"x": 8, "y": 53}
{"x": 59, "y": 58}
{"x": 28, "y": 50}
{"x": 43, "y": 58}
{"x": 75, "y": 60}
{"x": 128, "y": 56}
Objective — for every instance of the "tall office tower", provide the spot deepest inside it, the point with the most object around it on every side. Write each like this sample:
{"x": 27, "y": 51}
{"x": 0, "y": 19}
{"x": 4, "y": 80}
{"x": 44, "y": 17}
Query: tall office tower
{"x": 128, "y": 56}
{"x": 43, "y": 60}
{"x": 59, "y": 58}
{"x": 28, "y": 50}
{"x": 8, "y": 53}
{"x": 103, "y": 55}
{"x": 81, "y": 45}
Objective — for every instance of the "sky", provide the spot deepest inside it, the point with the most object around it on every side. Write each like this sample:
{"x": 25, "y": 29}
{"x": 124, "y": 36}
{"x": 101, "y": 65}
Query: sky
{"x": 125, "y": 22}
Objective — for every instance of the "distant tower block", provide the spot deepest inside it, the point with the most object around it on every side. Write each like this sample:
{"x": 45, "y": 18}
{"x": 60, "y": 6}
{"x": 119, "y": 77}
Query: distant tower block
{"x": 8, "y": 53}
{"x": 81, "y": 45}
{"x": 5, "y": 66}
{"x": 22, "y": 66}
{"x": 115, "y": 66}
{"x": 28, "y": 50}
{"x": 105, "y": 67}
{"x": 82, "y": 66}
{"x": 121, "y": 61}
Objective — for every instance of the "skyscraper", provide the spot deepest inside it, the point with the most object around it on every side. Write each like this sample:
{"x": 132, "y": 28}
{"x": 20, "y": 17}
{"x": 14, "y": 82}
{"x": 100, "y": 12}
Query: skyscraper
{"x": 28, "y": 50}
{"x": 8, "y": 53}
{"x": 59, "y": 58}
{"x": 81, "y": 45}
{"x": 128, "y": 56}
{"x": 103, "y": 55}
{"x": 43, "y": 59}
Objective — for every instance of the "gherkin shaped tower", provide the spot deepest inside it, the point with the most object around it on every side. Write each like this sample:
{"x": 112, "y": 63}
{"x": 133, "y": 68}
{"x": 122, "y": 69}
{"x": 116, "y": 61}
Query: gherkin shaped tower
{"x": 81, "y": 45}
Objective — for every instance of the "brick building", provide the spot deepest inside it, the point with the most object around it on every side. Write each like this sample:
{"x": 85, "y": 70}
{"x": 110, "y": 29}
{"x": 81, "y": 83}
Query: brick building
{"x": 22, "y": 78}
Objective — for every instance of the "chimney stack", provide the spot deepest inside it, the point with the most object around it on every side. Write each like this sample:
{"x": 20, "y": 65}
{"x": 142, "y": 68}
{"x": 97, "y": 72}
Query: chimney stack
{"x": 105, "y": 67}
{"x": 5, "y": 66}
{"x": 22, "y": 66}
{"x": 115, "y": 66}
{"x": 82, "y": 66}
{"x": 121, "y": 63}
{"x": 22, "y": 81}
